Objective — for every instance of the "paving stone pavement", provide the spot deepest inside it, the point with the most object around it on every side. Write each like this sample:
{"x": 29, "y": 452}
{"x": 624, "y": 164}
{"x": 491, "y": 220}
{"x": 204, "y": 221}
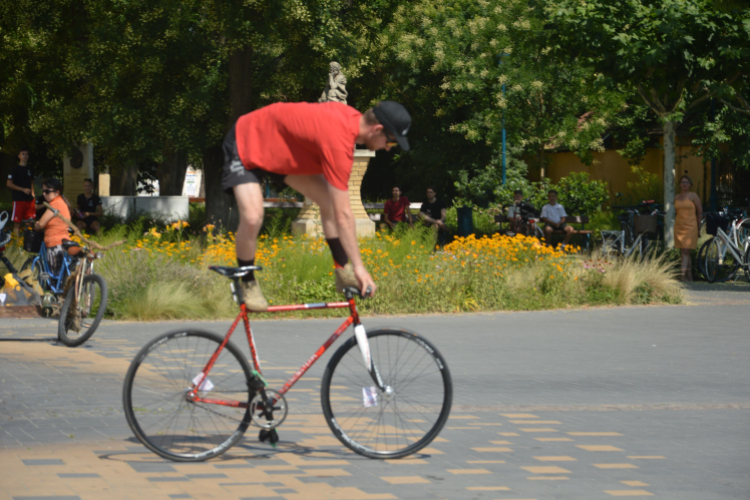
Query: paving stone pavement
{"x": 570, "y": 404}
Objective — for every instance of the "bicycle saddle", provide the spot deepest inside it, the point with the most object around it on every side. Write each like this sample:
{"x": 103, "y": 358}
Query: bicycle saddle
{"x": 71, "y": 247}
{"x": 234, "y": 272}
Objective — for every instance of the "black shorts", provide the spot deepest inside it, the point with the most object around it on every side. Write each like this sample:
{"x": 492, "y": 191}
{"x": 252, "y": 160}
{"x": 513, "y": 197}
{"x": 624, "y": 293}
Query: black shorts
{"x": 90, "y": 220}
{"x": 234, "y": 172}
{"x": 561, "y": 228}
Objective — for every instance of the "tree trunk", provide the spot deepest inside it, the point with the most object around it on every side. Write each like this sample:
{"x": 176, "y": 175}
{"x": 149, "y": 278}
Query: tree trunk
{"x": 171, "y": 174}
{"x": 125, "y": 180}
{"x": 541, "y": 162}
{"x": 670, "y": 128}
{"x": 240, "y": 83}
{"x": 220, "y": 208}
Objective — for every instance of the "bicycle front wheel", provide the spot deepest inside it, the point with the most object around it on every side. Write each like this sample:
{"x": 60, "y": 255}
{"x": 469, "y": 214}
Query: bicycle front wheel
{"x": 400, "y": 421}
{"x": 79, "y": 318}
{"x": 720, "y": 263}
{"x": 156, "y": 402}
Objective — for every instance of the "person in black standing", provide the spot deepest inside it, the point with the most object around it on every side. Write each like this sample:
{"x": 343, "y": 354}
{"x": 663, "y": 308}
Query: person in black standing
{"x": 21, "y": 182}
{"x": 89, "y": 208}
{"x": 432, "y": 212}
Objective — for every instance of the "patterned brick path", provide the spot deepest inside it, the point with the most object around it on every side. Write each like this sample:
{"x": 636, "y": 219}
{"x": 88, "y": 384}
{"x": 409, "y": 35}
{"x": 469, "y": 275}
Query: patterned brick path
{"x": 585, "y": 404}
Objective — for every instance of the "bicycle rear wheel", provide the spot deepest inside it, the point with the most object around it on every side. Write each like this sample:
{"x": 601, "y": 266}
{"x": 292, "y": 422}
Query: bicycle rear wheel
{"x": 156, "y": 403}
{"x": 79, "y": 322}
{"x": 702, "y": 259}
{"x": 394, "y": 424}
{"x": 720, "y": 263}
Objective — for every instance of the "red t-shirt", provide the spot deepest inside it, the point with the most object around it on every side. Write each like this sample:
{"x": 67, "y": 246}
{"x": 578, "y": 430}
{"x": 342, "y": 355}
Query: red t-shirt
{"x": 396, "y": 209}
{"x": 301, "y": 139}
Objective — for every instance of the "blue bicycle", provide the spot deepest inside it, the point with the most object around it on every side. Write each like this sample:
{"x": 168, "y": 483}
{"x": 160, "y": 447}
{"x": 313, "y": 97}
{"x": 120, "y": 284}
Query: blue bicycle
{"x": 83, "y": 293}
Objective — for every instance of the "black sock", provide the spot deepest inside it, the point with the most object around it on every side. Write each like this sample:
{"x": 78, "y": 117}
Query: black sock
{"x": 242, "y": 263}
{"x": 337, "y": 249}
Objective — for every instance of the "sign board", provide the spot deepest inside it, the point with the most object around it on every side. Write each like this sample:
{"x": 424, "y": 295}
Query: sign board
{"x": 192, "y": 185}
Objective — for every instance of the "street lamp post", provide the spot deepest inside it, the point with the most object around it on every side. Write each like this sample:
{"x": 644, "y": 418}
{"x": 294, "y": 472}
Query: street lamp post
{"x": 500, "y": 62}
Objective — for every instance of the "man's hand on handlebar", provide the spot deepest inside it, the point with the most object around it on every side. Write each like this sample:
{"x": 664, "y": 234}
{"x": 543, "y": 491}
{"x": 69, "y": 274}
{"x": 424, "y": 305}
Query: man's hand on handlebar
{"x": 366, "y": 283}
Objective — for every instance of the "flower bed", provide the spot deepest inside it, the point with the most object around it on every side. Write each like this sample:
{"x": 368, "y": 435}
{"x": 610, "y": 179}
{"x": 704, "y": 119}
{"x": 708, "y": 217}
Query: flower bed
{"x": 162, "y": 275}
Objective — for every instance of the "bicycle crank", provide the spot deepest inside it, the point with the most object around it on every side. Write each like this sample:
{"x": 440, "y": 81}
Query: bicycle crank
{"x": 263, "y": 414}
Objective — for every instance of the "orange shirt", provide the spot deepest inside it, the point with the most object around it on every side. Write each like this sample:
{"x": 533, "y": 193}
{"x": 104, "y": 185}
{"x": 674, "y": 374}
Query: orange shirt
{"x": 300, "y": 138}
{"x": 56, "y": 229}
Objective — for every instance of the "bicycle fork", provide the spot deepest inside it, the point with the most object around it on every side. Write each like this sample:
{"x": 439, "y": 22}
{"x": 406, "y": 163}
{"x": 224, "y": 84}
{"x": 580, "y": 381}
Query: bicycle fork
{"x": 364, "y": 347}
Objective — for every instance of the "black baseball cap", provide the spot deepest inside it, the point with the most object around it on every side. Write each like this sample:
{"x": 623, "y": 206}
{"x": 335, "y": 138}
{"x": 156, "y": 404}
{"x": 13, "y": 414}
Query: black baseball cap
{"x": 396, "y": 120}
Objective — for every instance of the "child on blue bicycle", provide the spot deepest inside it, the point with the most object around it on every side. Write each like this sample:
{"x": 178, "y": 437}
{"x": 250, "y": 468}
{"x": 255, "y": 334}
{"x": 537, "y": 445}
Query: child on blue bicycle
{"x": 55, "y": 230}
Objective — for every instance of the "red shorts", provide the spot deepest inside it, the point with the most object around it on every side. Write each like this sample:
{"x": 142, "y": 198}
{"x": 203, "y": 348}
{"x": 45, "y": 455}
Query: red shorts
{"x": 23, "y": 210}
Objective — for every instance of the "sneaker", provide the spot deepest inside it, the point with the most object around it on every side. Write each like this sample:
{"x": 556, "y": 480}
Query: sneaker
{"x": 254, "y": 299}
{"x": 345, "y": 278}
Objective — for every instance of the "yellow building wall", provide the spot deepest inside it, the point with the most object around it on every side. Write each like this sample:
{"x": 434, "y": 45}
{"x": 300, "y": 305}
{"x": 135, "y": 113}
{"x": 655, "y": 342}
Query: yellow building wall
{"x": 613, "y": 169}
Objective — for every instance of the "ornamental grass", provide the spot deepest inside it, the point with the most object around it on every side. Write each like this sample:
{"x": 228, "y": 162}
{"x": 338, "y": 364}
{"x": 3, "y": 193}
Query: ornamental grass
{"x": 164, "y": 275}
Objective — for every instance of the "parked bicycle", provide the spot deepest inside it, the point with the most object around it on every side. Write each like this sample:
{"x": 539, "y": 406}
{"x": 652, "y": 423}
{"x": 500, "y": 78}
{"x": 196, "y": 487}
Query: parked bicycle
{"x": 528, "y": 225}
{"x": 189, "y": 395}
{"x": 721, "y": 257}
{"x": 639, "y": 230}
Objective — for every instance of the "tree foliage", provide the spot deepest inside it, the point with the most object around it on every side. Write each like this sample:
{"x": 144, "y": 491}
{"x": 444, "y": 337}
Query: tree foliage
{"x": 676, "y": 53}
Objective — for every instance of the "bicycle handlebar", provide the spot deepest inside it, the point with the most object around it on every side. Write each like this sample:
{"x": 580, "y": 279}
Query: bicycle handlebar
{"x": 642, "y": 204}
{"x": 351, "y": 291}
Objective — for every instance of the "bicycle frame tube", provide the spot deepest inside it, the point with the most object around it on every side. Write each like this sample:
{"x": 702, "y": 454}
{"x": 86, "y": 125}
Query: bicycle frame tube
{"x": 729, "y": 245}
{"x": 353, "y": 318}
{"x": 55, "y": 282}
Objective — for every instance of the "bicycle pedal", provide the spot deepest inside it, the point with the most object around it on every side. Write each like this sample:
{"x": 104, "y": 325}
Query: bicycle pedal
{"x": 269, "y": 435}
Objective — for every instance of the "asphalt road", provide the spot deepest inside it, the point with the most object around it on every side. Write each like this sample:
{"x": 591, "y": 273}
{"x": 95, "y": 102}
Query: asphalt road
{"x": 579, "y": 404}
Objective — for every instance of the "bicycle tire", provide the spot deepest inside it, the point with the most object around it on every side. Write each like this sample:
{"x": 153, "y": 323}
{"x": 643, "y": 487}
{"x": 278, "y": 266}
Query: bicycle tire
{"x": 719, "y": 272}
{"x": 160, "y": 375}
{"x": 369, "y": 431}
{"x": 702, "y": 259}
{"x": 743, "y": 234}
{"x": 36, "y": 270}
{"x": 85, "y": 306}
{"x": 746, "y": 266}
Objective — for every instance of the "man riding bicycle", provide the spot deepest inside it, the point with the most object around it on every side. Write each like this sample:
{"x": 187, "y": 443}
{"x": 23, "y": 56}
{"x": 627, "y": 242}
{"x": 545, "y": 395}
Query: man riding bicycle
{"x": 310, "y": 147}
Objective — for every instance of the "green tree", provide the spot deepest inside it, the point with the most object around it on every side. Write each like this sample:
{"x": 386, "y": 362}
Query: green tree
{"x": 491, "y": 61}
{"x": 676, "y": 53}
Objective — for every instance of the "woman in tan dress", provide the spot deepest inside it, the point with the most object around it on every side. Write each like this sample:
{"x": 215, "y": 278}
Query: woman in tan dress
{"x": 688, "y": 211}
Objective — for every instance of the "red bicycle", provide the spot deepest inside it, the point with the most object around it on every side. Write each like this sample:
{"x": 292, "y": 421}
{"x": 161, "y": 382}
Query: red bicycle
{"x": 190, "y": 395}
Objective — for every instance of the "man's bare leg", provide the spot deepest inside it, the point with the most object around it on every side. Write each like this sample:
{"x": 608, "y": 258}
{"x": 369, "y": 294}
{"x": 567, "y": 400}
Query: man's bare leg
{"x": 315, "y": 187}
{"x": 250, "y": 205}
{"x": 568, "y": 234}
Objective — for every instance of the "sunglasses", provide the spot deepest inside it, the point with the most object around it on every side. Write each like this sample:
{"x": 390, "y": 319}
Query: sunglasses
{"x": 48, "y": 191}
{"x": 391, "y": 141}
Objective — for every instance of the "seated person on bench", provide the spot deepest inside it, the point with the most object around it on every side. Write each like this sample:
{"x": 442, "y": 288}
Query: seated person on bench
{"x": 89, "y": 208}
{"x": 514, "y": 211}
{"x": 553, "y": 215}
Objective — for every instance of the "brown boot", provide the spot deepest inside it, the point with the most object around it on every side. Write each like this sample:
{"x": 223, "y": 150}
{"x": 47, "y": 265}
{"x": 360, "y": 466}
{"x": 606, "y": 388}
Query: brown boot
{"x": 345, "y": 278}
{"x": 254, "y": 299}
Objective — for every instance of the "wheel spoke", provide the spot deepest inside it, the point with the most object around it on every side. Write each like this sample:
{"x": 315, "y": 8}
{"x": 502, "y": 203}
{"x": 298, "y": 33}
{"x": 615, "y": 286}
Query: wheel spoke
{"x": 404, "y": 419}
{"x": 157, "y": 406}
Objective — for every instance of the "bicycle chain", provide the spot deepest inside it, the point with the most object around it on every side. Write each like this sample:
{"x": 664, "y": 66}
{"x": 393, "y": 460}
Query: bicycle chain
{"x": 207, "y": 408}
